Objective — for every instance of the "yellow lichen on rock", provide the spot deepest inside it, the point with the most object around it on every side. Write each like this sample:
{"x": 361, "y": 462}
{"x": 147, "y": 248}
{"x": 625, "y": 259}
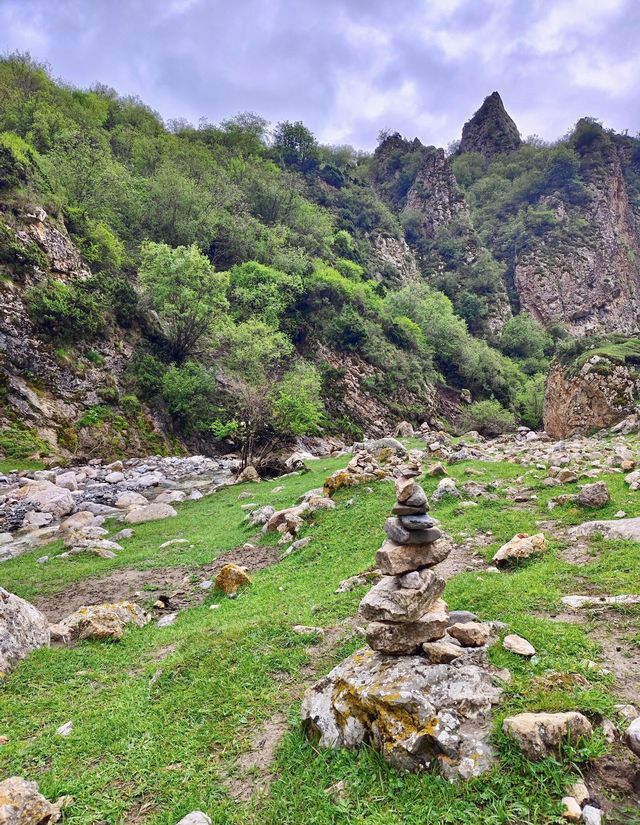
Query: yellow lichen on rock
{"x": 231, "y": 578}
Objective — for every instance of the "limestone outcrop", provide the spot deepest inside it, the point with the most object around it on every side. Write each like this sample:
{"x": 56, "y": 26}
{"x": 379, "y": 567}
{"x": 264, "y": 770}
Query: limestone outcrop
{"x": 491, "y": 131}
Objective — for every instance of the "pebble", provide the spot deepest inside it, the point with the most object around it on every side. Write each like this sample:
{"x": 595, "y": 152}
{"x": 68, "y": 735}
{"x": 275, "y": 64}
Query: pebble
{"x": 572, "y": 811}
{"x": 591, "y": 815}
{"x": 66, "y": 729}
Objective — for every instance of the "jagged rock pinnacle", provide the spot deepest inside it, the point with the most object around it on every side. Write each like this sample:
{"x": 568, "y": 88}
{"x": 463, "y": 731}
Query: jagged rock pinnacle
{"x": 490, "y": 131}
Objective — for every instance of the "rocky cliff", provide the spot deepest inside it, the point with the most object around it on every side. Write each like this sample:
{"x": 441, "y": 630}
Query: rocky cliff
{"x": 491, "y": 131}
{"x": 595, "y": 391}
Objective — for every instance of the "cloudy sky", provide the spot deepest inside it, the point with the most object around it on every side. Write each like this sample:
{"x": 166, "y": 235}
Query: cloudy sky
{"x": 348, "y": 68}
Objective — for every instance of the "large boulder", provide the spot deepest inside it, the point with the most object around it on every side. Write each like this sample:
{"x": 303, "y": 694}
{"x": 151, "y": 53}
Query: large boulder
{"x": 623, "y": 528}
{"x": 21, "y": 803}
{"x": 594, "y": 495}
{"x": 542, "y": 734}
{"x": 23, "y": 628}
{"x": 417, "y": 714}
{"x": 46, "y": 497}
{"x": 100, "y": 621}
{"x": 231, "y": 578}
{"x": 151, "y": 512}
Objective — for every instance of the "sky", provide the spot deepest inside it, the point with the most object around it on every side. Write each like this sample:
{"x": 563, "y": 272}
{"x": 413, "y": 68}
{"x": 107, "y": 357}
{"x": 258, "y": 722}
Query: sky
{"x": 348, "y": 68}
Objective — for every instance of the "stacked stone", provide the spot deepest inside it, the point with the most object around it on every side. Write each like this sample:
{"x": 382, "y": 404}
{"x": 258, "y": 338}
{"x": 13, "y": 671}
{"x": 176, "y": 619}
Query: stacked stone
{"x": 404, "y": 609}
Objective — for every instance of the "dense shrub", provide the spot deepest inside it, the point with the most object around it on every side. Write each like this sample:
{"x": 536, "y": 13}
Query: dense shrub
{"x": 65, "y": 312}
{"x": 488, "y": 417}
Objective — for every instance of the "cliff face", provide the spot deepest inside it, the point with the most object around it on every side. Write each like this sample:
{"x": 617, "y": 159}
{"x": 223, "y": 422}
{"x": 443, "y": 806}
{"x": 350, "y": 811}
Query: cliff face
{"x": 599, "y": 395}
{"x": 491, "y": 131}
{"x": 54, "y": 397}
{"x": 589, "y": 282}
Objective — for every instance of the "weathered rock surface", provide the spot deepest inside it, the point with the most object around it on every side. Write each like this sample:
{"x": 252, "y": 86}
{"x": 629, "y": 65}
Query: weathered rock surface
{"x": 102, "y": 621}
{"x": 21, "y": 803}
{"x": 394, "y": 559}
{"x": 22, "y": 629}
{"x": 594, "y": 495}
{"x": 417, "y": 714}
{"x": 471, "y": 634}
{"x": 632, "y": 736}
{"x": 542, "y": 734}
{"x": 623, "y": 528}
{"x": 519, "y": 547}
{"x": 516, "y": 644}
{"x": 491, "y": 131}
{"x": 195, "y": 818}
{"x": 387, "y": 601}
{"x": 406, "y": 637}
{"x": 151, "y": 512}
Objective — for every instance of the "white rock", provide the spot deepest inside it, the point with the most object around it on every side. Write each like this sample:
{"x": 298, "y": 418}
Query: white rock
{"x": 195, "y": 818}
{"x": 591, "y": 815}
{"x": 166, "y": 621}
{"x": 67, "y": 480}
{"x": 114, "y": 478}
{"x": 628, "y": 529}
{"x": 23, "y": 629}
{"x": 152, "y": 512}
{"x": 572, "y": 810}
{"x": 130, "y": 499}
{"x": 632, "y": 736}
{"x": 66, "y": 729}
{"x": 169, "y": 496}
{"x": 47, "y": 497}
{"x": 516, "y": 644}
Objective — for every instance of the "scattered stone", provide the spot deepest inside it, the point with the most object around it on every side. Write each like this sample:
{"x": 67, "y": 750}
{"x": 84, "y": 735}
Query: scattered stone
{"x": 66, "y": 729}
{"x": 462, "y": 616}
{"x": 579, "y": 792}
{"x": 516, "y": 644}
{"x": 446, "y": 488}
{"x": 167, "y": 620}
{"x": 170, "y": 496}
{"x": 248, "y": 474}
{"x": 47, "y": 498}
{"x": 572, "y": 810}
{"x": 521, "y": 546}
{"x": 566, "y": 476}
{"x": 435, "y": 470}
{"x": 594, "y": 495}
{"x": 630, "y": 712}
{"x": 102, "y": 621}
{"x": 591, "y": 815}
{"x": 23, "y": 629}
{"x": 578, "y": 602}
{"x": 195, "y": 818}
{"x": 114, "y": 477}
{"x": 632, "y": 736}
{"x": 471, "y": 634}
{"x": 627, "y": 529}
{"x": 231, "y": 578}
{"x": 541, "y": 734}
{"x": 305, "y": 630}
{"x": 152, "y": 512}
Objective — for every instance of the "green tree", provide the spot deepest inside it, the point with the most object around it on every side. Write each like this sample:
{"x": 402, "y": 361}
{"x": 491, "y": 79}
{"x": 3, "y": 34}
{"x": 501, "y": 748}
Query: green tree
{"x": 294, "y": 145}
{"x": 189, "y": 297}
{"x": 297, "y": 404}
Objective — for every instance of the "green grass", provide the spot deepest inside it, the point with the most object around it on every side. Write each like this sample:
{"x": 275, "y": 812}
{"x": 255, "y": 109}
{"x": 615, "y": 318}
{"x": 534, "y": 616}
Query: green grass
{"x": 164, "y": 733}
{"x": 9, "y": 464}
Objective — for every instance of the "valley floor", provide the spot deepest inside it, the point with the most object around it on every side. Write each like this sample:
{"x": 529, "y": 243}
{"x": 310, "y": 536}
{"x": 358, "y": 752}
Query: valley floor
{"x": 204, "y": 714}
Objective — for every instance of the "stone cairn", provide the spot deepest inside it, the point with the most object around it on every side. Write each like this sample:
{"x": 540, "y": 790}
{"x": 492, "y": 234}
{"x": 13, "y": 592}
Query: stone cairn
{"x": 420, "y": 693}
{"x": 404, "y": 609}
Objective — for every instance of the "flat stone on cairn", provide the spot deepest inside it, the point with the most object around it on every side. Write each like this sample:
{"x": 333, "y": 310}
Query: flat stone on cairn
{"x": 414, "y": 694}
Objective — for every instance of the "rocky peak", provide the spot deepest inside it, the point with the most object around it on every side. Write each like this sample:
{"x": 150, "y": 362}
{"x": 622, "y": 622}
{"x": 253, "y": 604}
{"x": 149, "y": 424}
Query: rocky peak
{"x": 435, "y": 194}
{"x": 491, "y": 131}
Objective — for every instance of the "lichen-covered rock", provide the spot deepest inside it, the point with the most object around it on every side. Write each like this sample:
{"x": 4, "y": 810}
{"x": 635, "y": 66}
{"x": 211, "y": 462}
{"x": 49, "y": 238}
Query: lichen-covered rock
{"x": 231, "y": 578}
{"x": 542, "y": 734}
{"x": 417, "y": 714}
{"x": 521, "y": 546}
{"x": 23, "y": 628}
{"x": 100, "y": 621}
{"x": 21, "y": 803}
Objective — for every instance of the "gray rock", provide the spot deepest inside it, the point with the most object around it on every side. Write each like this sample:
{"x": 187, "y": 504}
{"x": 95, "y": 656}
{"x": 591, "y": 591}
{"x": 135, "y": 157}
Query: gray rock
{"x": 594, "y": 495}
{"x": 387, "y": 601}
{"x": 462, "y": 616}
{"x": 417, "y": 714}
{"x": 152, "y": 512}
{"x": 591, "y": 815}
{"x": 396, "y": 532}
{"x": 446, "y": 488}
{"x": 632, "y": 736}
{"x": 22, "y": 629}
{"x": 401, "y": 638}
{"x": 626, "y": 528}
{"x": 394, "y": 559}
{"x": 195, "y": 818}
{"x": 416, "y": 522}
